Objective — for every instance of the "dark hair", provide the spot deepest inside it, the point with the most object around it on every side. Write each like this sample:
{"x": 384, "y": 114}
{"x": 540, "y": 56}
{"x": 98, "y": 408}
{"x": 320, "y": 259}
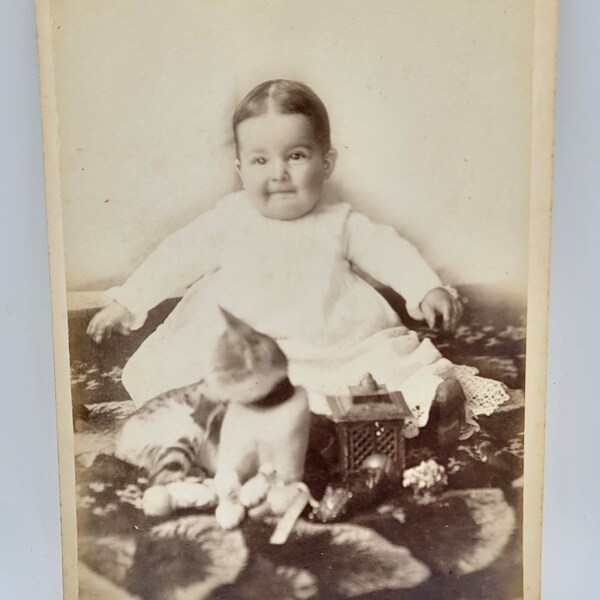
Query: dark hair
{"x": 286, "y": 97}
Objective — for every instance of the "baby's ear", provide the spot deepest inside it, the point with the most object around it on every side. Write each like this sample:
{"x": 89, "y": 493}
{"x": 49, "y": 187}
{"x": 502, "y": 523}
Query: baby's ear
{"x": 329, "y": 162}
{"x": 238, "y": 166}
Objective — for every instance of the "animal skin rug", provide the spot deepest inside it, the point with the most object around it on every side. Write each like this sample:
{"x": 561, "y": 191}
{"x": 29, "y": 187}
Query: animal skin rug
{"x": 466, "y": 544}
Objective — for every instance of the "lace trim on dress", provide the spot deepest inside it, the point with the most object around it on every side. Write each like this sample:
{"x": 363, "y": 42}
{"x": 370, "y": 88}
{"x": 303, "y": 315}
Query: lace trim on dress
{"x": 483, "y": 396}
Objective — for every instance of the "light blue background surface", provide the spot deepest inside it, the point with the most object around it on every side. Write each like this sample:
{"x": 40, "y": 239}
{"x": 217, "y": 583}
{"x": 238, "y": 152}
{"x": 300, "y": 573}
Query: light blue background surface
{"x": 29, "y": 515}
{"x": 29, "y": 521}
{"x": 572, "y": 492}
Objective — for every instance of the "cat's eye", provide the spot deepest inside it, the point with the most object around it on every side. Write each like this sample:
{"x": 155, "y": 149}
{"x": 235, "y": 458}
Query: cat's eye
{"x": 173, "y": 466}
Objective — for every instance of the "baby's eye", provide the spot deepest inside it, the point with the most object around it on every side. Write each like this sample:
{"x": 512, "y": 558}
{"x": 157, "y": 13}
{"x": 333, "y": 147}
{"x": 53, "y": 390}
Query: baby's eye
{"x": 297, "y": 155}
{"x": 258, "y": 160}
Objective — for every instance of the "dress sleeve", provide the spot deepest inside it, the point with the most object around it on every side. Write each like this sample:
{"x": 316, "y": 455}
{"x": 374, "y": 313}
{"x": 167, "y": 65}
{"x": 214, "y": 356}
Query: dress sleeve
{"x": 382, "y": 253}
{"x": 180, "y": 260}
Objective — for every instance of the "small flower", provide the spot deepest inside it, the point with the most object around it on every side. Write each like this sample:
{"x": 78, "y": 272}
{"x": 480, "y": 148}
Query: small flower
{"x": 428, "y": 474}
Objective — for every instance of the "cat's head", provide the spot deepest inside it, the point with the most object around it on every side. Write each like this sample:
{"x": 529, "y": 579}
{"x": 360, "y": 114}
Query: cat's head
{"x": 246, "y": 365}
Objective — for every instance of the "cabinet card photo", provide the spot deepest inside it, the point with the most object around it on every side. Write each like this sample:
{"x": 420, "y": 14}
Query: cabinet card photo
{"x": 299, "y": 261}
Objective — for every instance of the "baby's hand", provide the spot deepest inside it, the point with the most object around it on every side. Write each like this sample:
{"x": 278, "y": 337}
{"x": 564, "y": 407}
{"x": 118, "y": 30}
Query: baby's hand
{"x": 110, "y": 317}
{"x": 440, "y": 301}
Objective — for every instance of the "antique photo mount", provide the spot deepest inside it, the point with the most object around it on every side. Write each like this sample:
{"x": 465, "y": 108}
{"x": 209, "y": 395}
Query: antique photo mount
{"x": 543, "y": 44}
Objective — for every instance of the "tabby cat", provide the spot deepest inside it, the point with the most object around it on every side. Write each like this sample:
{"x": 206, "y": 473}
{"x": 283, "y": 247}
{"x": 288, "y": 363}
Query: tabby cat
{"x": 244, "y": 414}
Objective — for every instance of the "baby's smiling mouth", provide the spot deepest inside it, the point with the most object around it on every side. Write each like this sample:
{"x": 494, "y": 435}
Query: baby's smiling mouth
{"x": 282, "y": 191}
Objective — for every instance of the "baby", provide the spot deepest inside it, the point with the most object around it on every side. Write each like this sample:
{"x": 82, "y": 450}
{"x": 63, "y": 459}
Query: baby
{"x": 279, "y": 255}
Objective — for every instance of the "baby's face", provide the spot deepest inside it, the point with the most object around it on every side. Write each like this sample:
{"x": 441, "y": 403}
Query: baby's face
{"x": 281, "y": 166}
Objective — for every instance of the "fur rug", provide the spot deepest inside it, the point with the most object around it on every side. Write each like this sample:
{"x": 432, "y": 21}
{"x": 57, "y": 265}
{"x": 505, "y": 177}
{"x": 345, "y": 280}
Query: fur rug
{"x": 466, "y": 544}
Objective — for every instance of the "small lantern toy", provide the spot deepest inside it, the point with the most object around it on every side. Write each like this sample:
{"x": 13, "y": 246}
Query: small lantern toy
{"x": 369, "y": 421}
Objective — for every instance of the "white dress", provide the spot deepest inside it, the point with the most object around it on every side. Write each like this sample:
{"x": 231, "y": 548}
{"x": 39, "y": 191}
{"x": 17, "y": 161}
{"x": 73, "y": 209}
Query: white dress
{"x": 293, "y": 281}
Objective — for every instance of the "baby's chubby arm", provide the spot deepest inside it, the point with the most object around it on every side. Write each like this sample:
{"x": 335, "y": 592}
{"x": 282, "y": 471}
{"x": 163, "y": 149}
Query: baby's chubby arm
{"x": 440, "y": 302}
{"x": 111, "y": 317}
{"x": 180, "y": 260}
{"x": 382, "y": 253}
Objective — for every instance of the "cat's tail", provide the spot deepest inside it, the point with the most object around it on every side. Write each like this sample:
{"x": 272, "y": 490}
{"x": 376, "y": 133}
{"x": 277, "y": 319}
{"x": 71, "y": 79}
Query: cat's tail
{"x": 172, "y": 464}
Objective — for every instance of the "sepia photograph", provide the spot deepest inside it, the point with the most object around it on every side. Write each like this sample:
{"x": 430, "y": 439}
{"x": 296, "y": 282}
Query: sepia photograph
{"x": 299, "y": 262}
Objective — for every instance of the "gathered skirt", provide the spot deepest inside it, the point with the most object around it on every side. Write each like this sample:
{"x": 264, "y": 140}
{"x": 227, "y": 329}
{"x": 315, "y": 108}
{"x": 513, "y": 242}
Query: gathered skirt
{"x": 178, "y": 354}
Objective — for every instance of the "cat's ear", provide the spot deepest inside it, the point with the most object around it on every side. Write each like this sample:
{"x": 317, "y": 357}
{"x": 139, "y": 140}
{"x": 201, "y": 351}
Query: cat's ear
{"x": 230, "y": 319}
{"x": 235, "y": 325}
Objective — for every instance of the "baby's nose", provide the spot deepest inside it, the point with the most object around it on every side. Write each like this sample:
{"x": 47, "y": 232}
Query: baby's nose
{"x": 279, "y": 170}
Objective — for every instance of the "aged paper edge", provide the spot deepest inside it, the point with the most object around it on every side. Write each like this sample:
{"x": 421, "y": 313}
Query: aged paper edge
{"x": 544, "y": 49}
{"x": 62, "y": 388}
{"x": 540, "y": 210}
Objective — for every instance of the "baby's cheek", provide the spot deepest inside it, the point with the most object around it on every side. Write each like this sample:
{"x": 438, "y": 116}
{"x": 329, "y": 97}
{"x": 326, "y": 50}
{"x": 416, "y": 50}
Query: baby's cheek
{"x": 258, "y": 200}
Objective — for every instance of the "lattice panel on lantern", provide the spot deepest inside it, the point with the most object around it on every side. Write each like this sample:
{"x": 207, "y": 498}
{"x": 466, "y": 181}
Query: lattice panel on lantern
{"x": 386, "y": 442}
{"x": 359, "y": 440}
{"x": 369, "y": 420}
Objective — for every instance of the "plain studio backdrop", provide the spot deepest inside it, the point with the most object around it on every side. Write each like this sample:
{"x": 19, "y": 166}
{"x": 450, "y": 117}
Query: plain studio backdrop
{"x": 430, "y": 104}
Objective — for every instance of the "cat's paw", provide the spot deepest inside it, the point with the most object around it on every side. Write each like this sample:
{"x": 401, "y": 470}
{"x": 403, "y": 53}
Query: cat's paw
{"x": 229, "y": 514}
{"x": 254, "y": 491}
